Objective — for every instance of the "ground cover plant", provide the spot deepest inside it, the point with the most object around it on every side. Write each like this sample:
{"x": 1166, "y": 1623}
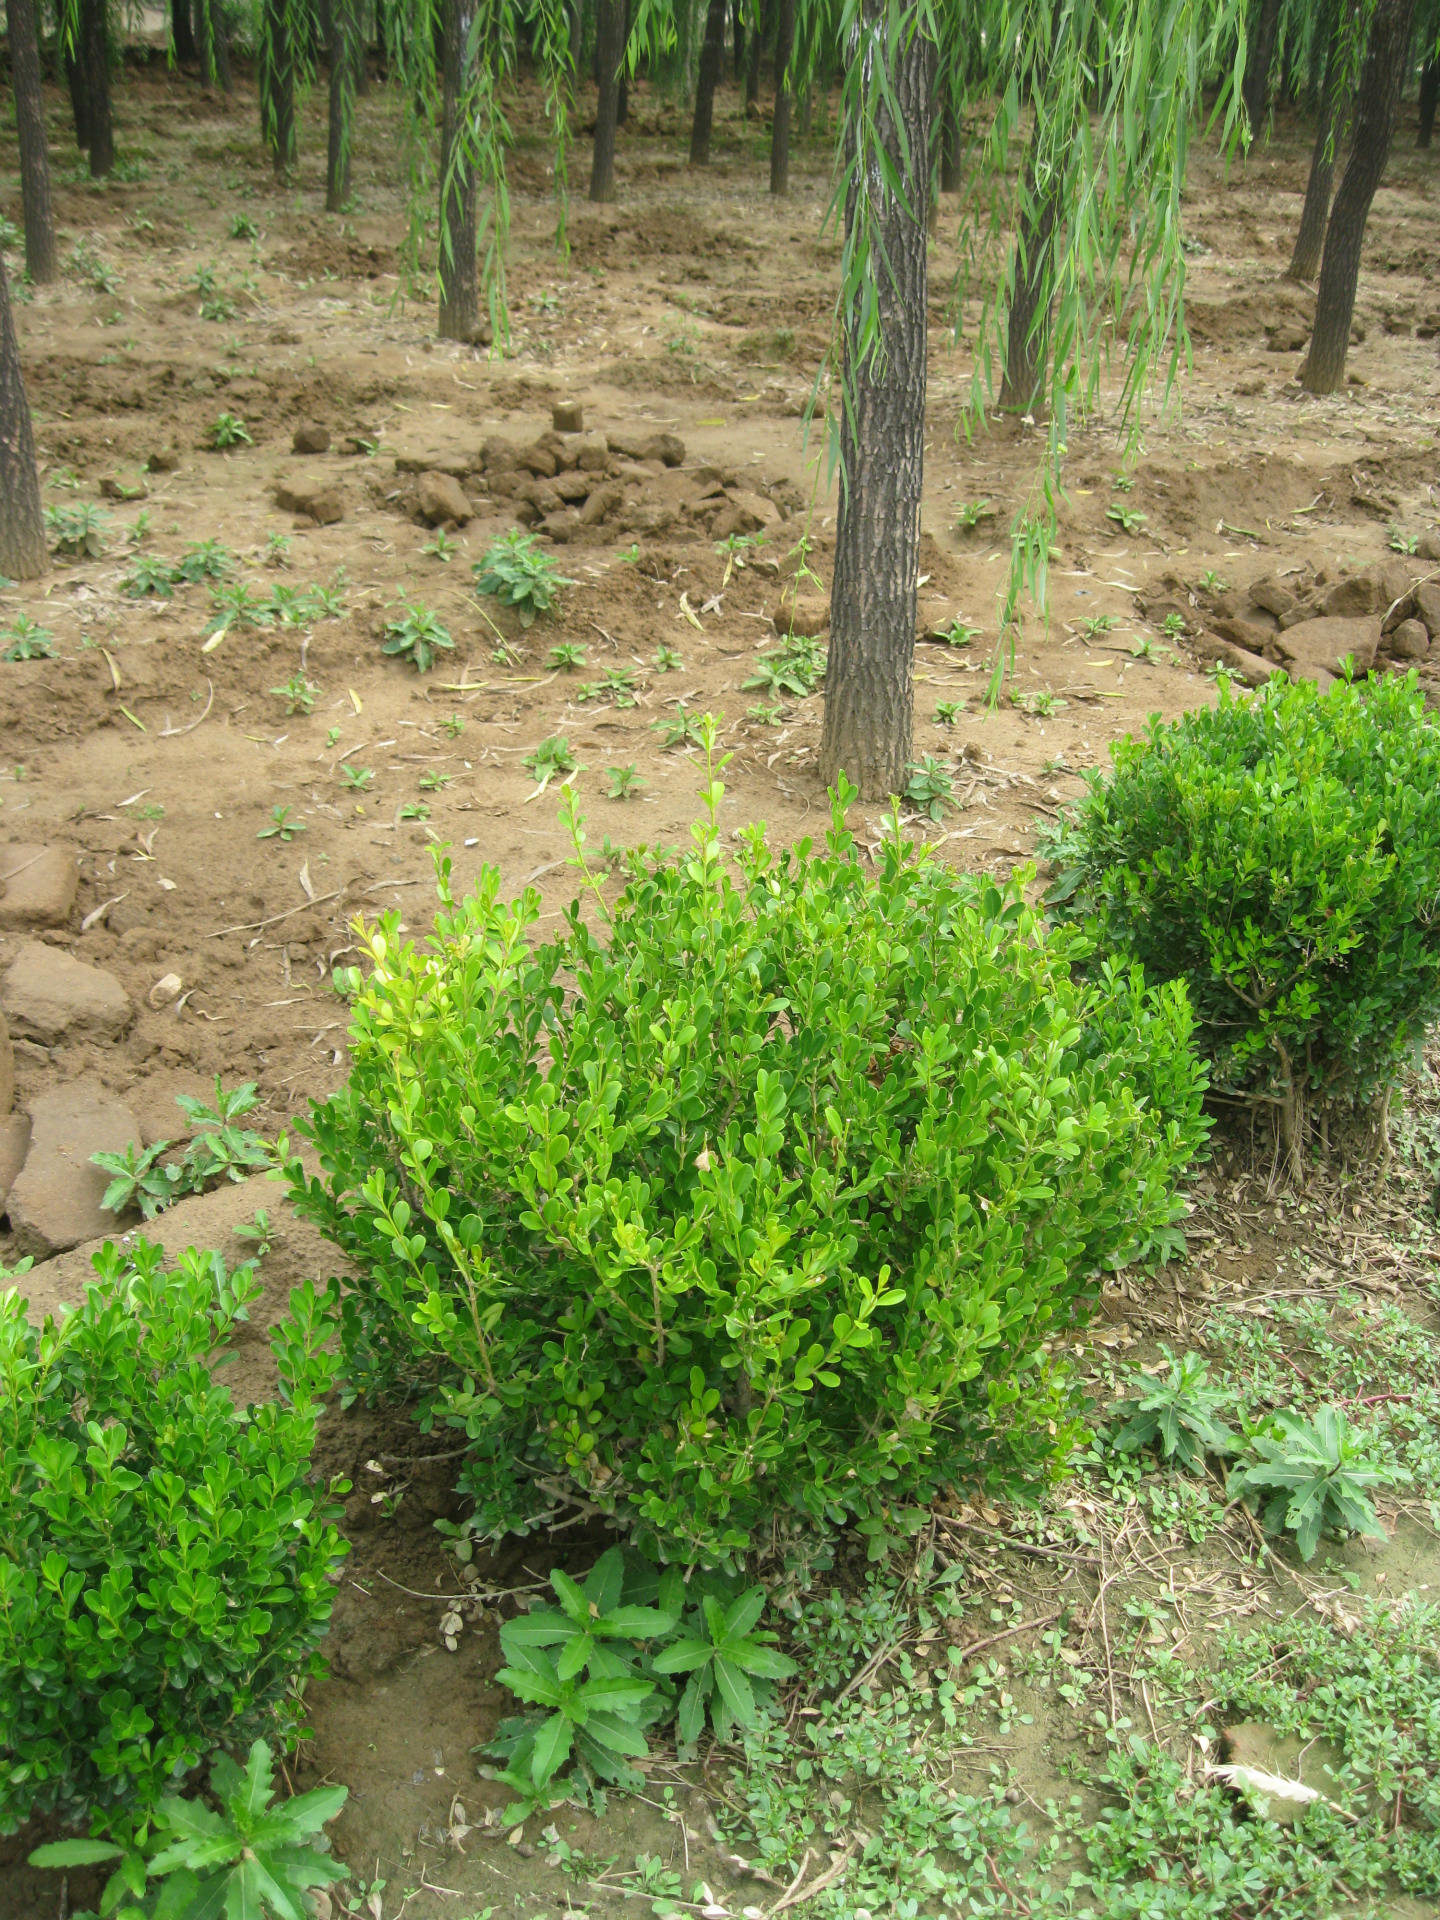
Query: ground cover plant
{"x": 163, "y": 1559}
{"x": 773, "y": 1213}
{"x": 1280, "y": 854}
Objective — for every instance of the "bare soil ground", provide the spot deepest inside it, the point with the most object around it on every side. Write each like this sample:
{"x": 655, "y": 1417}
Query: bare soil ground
{"x": 696, "y": 306}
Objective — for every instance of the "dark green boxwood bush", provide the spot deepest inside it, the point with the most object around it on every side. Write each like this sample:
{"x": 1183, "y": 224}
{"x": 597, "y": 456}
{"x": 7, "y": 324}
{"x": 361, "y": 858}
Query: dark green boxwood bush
{"x": 768, "y": 1202}
{"x": 163, "y": 1559}
{"x": 1280, "y": 854}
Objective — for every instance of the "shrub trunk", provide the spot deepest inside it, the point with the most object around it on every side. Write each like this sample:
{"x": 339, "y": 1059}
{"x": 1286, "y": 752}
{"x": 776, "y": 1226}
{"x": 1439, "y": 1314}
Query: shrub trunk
{"x": 1028, "y": 326}
{"x": 1429, "y": 93}
{"x": 277, "y": 86}
{"x": 1265, "y": 20}
{"x": 344, "y": 57}
{"x": 95, "y": 68}
{"x": 1305, "y": 260}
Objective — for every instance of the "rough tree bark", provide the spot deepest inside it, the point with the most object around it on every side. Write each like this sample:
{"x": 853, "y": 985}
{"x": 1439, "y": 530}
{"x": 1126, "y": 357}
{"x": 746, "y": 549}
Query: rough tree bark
{"x": 277, "y": 87}
{"x": 1265, "y": 23}
{"x": 712, "y": 58}
{"x": 737, "y": 34}
{"x": 22, "y": 525}
{"x": 1028, "y": 326}
{"x": 344, "y": 57}
{"x": 94, "y": 53}
{"x": 25, "y": 78}
{"x": 622, "y": 85}
{"x": 869, "y": 692}
{"x": 1429, "y": 93}
{"x": 784, "y": 97}
{"x": 1376, "y": 106}
{"x": 459, "y": 277}
{"x": 609, "y": 50}
{"x": 79, "y": 101}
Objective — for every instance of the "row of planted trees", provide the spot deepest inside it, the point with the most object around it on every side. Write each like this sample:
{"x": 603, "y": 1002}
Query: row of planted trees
{"x": 1077, "y": 118}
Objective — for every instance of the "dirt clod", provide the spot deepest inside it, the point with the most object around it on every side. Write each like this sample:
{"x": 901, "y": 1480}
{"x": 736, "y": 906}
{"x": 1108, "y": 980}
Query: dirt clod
{"x": 441, "y": 501}
{"x": 311, "y": 439}
{"x": 48, "y": 996}
{"x": 39, "y": 886}
{"x": 55, "y": 1201}
{"x": 567, "y": 416}
{"x": 316, "y": 499}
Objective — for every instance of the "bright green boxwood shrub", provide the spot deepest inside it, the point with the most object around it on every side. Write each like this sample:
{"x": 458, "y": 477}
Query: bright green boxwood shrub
{"x": 769, "y": 1200}
{"x": 163, "y": 1558}
{"x": 1280, "y": 854}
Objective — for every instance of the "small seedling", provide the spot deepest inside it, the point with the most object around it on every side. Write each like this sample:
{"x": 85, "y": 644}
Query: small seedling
{"x": 617, "y": 686}
{"x": 960, "y": 634}
{"x": 947, "y": 712}
{"x": 281, "y": 826}
{"x": 277, "y": 550}
{"x": 442, "y": 547}
{"x": 1403, "y": 542}
{"x": 1128, "y": 519}
{"x": 625, "y": 782}
{"x": 227, "y": 430}
{"x": 79, "y": 531}
{"x": 26, "y": 639}
{"x": 258, "y": 1230}
{"x": 553, "y": 756}
{"x": 667, "y": 660}
{"x": 1100, "y": 624}
{"x": 434, "y": 781}
{"x": 1123, "y": 482}
{"x": 1309, "y": 1477}
{"x": 795, "y": 668}
{"x": 298, "y": 693}
{"x": 204, "y": 560}
{"x": 683, "y": 729}
{"x": 736, "y": 550}
{"x": 1211, "y": 582}
{"x": 412, "y": 810}
{"x": 416, "y": 636}
{"x": 357, "y": 779}
{"x": 147, "y": 576}
{"x": 765, "y": 715}
{"x": 1040, "y": 703}
{"x": 1173, "y": 626}
{"x": 332, "y": 737}
{"x": 237, "y": 606}
{"x": 1179, "y": 1412}
{"x": 930, "y": 787}
{"x": 326, "y": 603}
{"x": 453, "y": 726}
{"x": 970, "y": 513}
{"x": 566, "y": 657}
{"x": 517, "y": 574}
{"x": 242, "y": 227}
{"x": 140, "y": 532}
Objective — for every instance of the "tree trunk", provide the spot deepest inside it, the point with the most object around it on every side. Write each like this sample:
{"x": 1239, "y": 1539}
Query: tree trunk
{"x": 1376, "y": 107}
{"x": 784, "y": 98}
{"x": 1028, "y": 327}
{"x": 277, "y": 86}
{"x": 1305, "y": 260}
{"x": 214, "y": 46}
{"x": 95, "y": 64}
{"x": 182, "y": 32}
{"x": 459, "y": 279}
{"x": 622, "y": 84}
{"x": 1265, "y": 19}
{"x": 752, "y": 56}
{"x": 712, "y": 58}
{"x": 1429, "y": 91}
{"x": 609, "y": 49}
{"x": 950, "y": 145}
{"x": 869, "y": 693}
{"x": 345, "y": 52}
{"x": 737, "y": 34}
{"x": 22, "y": 525}
{"x": 34, "y": 154}
{"x": 79, "y": 100}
